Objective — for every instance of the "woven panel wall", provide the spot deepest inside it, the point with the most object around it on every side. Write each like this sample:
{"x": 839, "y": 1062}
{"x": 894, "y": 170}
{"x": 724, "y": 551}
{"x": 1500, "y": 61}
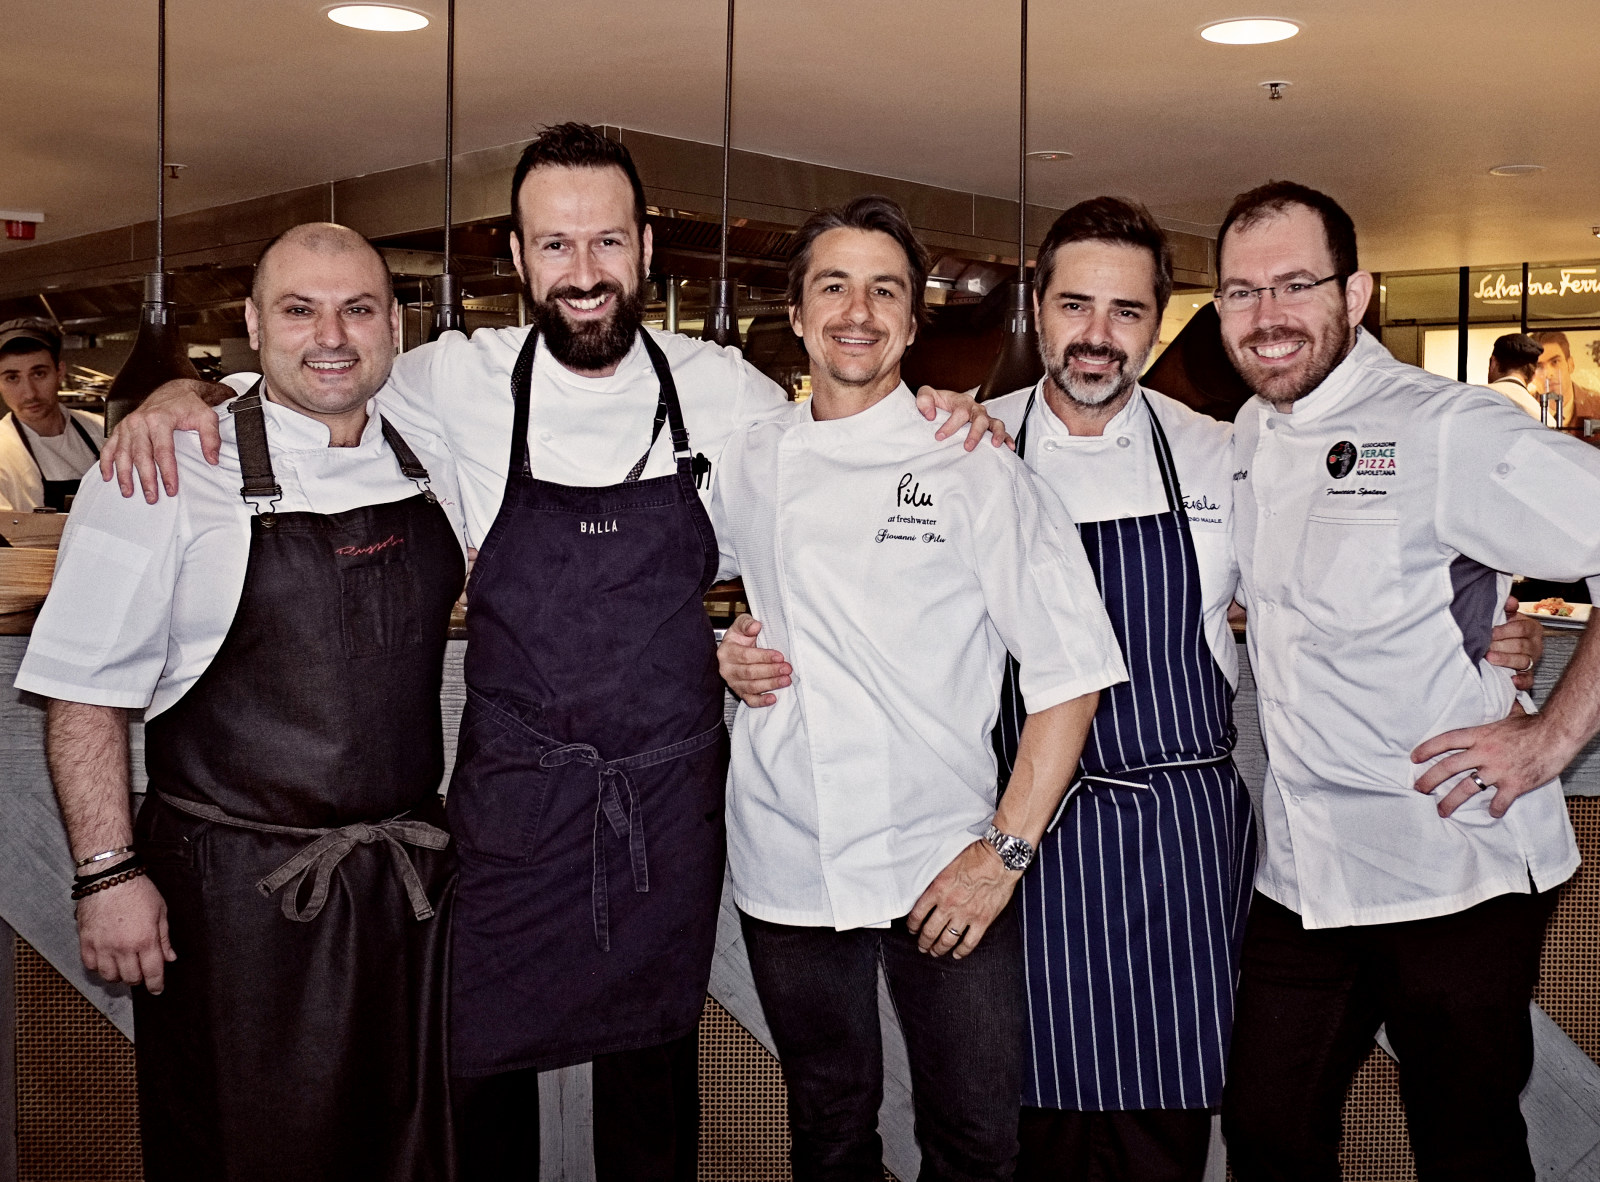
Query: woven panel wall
{"x": 76, "y": 1114}
{"x": 1569, "y": 972}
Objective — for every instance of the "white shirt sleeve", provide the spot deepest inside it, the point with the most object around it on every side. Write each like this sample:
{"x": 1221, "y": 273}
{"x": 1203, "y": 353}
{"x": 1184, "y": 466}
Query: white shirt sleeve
{"x": 1040, "y": 592}
{"x": 727, "y": 560}
{"x": 757, "y": 396}
{"x": 1517, "y": 496}
{"x": 101, "y": 637}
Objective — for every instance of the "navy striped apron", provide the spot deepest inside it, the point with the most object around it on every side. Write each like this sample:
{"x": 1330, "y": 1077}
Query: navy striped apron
{"x": 1134, "y": 910}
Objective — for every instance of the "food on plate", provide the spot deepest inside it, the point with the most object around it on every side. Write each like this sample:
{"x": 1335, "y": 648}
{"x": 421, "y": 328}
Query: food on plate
{"x": 1553, "y": 607}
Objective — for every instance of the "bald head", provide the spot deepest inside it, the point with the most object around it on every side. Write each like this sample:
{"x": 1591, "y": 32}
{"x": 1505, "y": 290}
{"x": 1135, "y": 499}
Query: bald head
{"x": 318, "y": 238}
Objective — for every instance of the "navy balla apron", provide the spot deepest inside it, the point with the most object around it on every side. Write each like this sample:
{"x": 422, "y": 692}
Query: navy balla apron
{"x": 1134, "y": 911}
{"x": 56, "y": 492}
{"x": 293, "y": 827}
{"x": 588, "y": 789}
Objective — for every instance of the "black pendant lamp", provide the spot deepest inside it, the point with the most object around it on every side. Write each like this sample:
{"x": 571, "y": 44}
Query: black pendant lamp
{"x": 722, "y": 316}
{"x": 158, "y": 353}
{"x": 447, "y": 313}
{"x": 1018, "y": 364}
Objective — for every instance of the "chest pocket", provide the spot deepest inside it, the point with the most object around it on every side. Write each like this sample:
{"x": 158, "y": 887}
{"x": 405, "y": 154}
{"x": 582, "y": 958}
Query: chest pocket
{"x": 378, "y": 608}
{"x": 1350, "y": 565}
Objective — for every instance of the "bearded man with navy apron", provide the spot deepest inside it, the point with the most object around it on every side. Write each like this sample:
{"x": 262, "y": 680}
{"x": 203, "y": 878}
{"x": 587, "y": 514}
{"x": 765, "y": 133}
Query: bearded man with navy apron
{"x": 284, "y": 621}
{"x": 1134, "y": 911}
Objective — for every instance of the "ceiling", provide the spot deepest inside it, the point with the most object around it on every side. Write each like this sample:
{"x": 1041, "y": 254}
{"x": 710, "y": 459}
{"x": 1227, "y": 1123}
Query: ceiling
{"x": 1398, "y": 107}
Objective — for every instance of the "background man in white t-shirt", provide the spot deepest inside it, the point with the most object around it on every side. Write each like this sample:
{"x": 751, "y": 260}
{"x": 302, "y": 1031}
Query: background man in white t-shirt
{"x": 44, "y": 448}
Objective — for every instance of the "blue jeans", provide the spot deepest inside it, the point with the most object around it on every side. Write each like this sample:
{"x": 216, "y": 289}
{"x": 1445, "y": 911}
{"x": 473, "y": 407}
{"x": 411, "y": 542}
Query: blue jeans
{"x": 964, "y": 1024}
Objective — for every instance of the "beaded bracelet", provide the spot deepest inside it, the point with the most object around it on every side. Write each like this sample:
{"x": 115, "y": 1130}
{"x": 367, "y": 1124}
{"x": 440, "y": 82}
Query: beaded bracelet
{"x": 84, "y": 890}
{"x": 83, "y": 880}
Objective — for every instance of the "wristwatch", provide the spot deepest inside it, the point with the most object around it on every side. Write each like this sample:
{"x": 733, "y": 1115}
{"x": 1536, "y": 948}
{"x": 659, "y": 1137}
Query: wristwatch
{"x": 1015, "y": 852}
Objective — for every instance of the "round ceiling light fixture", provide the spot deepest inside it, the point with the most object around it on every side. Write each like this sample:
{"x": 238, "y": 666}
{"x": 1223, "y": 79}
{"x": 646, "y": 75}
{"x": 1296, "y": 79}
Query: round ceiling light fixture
{"x": 1260, "y": 30}
{"x": 1048, "y": 154}
{"x": 1515, "y": 169}
{"x": 378, "y": 18}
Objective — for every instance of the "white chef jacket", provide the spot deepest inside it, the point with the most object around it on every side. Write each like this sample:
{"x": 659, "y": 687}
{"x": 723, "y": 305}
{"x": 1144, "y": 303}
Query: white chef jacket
{"x": 585, "y": 432}
{"x": 55, "y": 457}
{"x": 144, "y": 594}
{"x": 1517, "y": 390}
{"x": 893, "y": 571}
{"x": 1115, "y": 475}
{"x": 1361, "y": 519}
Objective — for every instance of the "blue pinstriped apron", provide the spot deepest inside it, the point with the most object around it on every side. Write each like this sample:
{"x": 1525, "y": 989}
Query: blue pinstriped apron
{"x": 1134, "y": 911}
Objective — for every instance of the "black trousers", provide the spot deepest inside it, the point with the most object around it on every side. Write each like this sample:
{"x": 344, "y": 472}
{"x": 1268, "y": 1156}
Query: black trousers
{"x": 646, "y": 1118}
{"x": 964, "y": 1023}
{"x": 1454, "y": 993}
{"x": 1140, "y": 1145}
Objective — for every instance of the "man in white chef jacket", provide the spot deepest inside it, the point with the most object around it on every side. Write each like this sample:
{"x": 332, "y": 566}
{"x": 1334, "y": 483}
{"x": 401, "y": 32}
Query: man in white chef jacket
{"x": 894, "y": 572}
{"x": 583, "y": 249}
{"x": 44, "y": 448}
{"x": 1377, "y": 508}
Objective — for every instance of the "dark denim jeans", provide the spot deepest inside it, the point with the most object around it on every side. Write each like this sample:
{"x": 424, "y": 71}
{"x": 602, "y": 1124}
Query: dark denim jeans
{"x": 964, "y": 1023}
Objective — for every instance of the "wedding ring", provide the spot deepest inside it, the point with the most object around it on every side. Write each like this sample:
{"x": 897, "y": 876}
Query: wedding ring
{"x": 1478, "y": 780}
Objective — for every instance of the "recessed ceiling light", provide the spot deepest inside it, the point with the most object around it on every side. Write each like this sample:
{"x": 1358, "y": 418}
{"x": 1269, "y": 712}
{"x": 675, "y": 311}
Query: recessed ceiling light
{"x": 1515, "y": 169}
{"x": 1050, "y": 154}
{"x": 378, "y": 18}
{"x": 1253, "y": 31}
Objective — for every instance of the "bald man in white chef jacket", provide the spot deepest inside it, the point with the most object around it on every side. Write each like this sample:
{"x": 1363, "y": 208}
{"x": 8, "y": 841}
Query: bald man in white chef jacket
{"x": 1377, "y": 509}
{"x": 862, "y": 827}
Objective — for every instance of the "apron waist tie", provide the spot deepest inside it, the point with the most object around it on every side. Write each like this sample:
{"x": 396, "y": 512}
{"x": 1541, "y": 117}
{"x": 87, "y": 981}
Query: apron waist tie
{"x": 328, "y": 848}
{"x": 1082, "y": 779}
{"x": 611, "y": 778}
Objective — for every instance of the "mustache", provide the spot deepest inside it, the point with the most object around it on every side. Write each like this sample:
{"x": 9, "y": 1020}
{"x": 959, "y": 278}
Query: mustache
{"x": 1269, "y": 336}
{"x": 1093, "y": 353}
{"x": 571, "y": 292}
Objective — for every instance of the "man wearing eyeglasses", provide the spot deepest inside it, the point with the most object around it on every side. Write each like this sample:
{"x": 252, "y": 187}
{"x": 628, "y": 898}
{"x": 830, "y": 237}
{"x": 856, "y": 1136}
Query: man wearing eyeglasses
{"x": 1376, "y": 509}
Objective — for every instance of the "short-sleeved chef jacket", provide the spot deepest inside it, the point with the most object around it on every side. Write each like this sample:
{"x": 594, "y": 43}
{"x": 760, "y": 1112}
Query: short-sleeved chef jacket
{"x": 1373, "y": 526}
{"x": 894, "y": 572}
{"x": 1115, "y": 475}
{"x": 144, "y": 595}
{"x": 582, "y": 431}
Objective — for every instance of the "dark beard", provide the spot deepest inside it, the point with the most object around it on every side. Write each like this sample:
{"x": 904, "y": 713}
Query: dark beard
{"x": 1283, "y": 389}
{"x": 589, "y": 346}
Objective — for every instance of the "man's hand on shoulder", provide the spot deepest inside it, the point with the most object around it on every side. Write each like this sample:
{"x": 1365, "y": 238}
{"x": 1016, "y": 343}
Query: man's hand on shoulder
{"x": 752, "y": 673}
{"x": 142, "y": 442}
{"x": 122, "y": 934}
{"x": 965, "y": 411}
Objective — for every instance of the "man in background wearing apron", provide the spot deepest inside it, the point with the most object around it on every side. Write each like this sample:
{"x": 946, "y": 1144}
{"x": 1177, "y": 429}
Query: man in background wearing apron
{"x": 1134, "y": 913}
{"x": 587, "y": 795}
{"x": 284, "y": 894}
{"x": 1378, "y": 510}
{"x": 44, "y": 448}
{"x": 862, "y": 827}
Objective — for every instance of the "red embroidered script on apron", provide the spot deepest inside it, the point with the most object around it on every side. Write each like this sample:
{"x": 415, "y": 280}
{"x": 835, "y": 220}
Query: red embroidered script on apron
{"x": 388, "y": 543}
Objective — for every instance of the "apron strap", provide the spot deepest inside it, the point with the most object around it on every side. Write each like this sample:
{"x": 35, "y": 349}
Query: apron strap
{"x": 1169, "y": 470}
{"x": 322, "y": 855}
{"x": 667, "y": 408}
{"x": 1022, "y": 431}
{"x": 410, "y": 467}
{"x": 255, "y": 462}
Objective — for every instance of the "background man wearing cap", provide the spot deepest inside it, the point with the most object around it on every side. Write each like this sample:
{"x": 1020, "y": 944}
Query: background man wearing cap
{"x": 44, "y": 448}
{"x": 1511, "y": 369}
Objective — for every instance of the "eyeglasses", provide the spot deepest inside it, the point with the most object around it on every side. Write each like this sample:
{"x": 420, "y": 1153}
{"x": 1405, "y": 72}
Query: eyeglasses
{"x": 1244, "y": 299}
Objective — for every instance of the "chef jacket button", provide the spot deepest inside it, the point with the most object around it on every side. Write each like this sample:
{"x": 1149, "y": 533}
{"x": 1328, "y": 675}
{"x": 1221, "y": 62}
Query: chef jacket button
{"x": 1051, "y": 445}
{"x": 1271, "y": 425}
{"x": 1501, "y": 469}
{"x": 546, "y": 436}
{"x": 1124, "y": 441}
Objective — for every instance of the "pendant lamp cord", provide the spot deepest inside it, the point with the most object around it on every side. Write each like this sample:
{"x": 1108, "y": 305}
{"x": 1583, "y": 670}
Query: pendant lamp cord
{"x": 161, "y": 135}
{"x": 1022, "y": 157}
{"x": 727, "y": 144}
{"x": 449, "y": 125}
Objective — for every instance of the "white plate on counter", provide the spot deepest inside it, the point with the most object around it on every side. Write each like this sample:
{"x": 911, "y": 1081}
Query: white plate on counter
{"x": 1578, "y": 619}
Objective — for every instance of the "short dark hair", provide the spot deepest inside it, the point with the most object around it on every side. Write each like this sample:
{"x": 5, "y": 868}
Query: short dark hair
{"x": 864, "y": 213}
{"x": 1516, "y": 351}
{"x": 323, "y": 238}
{"x": 1552, "y": 337}
{"x": 575, "y": 145}
{"x": 1275, "y": 197}
{"x": 1108, "y": 219}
